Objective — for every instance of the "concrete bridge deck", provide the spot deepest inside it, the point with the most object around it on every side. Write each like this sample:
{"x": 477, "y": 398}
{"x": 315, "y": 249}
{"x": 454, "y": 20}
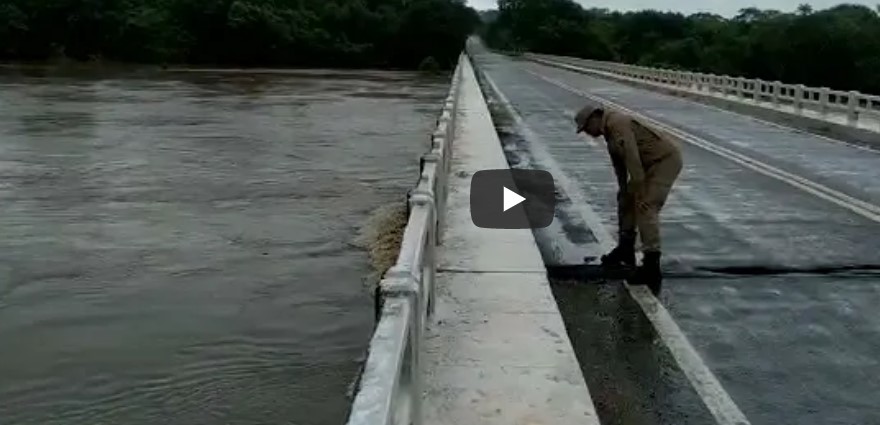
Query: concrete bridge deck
{"x": 771, "y": 253}
{"x": 496, "y": 351}
{"x": 788, "y": 346}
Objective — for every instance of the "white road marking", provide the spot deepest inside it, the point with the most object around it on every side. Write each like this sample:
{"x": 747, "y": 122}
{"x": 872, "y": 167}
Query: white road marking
{"x": 716, "y": 399}
{"x": 862, "y": 208}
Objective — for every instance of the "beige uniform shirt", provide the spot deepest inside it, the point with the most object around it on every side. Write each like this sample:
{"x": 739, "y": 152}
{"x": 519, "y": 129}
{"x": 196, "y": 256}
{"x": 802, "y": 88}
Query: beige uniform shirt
{"x": 634, "y": 147}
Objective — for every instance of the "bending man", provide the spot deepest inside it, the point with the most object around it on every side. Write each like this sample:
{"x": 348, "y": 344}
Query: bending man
{"x": 646, "y": 164}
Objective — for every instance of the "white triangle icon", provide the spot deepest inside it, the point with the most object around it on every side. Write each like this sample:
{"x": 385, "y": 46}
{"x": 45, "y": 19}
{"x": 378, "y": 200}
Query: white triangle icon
{"x": 511, "y": 199}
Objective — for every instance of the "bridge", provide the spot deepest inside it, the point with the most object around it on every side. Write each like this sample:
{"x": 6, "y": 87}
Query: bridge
{"x": 772, "y": 253}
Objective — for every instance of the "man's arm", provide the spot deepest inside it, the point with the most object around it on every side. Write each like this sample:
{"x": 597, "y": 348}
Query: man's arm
{"x": 623, "y": 196}
{"x": 632, "y": 161}
{"x": 619, "y": 171}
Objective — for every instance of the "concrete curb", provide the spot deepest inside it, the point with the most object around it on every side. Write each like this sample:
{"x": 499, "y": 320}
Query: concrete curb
{"x": 497, "y": 351}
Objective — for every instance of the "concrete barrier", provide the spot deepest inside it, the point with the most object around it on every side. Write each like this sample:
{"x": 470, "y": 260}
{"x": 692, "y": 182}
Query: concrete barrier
{"x": 390, "y": 388}
{"x": 496, "y": 351}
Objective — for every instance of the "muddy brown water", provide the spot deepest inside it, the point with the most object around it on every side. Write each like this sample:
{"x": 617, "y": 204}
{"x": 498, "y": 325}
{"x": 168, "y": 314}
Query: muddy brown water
{"x": 180, "y": 247}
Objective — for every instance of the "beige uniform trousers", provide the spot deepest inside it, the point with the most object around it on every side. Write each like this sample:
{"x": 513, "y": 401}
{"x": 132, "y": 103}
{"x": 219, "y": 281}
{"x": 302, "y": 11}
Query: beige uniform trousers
{"x": 659, "y": 178}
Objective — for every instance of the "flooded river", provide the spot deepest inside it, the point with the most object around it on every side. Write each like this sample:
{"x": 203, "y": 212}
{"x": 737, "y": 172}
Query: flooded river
{"x": 178, "y": 248}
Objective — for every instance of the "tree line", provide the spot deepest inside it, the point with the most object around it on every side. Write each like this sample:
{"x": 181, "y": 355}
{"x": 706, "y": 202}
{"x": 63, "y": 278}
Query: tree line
{"x": 837, "y": 47}
{"x": 334, "y": 33}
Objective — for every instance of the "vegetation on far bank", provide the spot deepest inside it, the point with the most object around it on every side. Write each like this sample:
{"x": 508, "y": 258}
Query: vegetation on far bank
{"x": 316, "y": 33}
{"x": 838, "y": 47}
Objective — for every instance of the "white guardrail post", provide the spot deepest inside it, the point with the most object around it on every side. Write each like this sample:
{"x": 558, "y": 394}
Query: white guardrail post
{"x": 777, "y": 88}
{"x": 757, "y": 90}
{"x": 823, "y": 100}
{"x": 799, "y": 98}
{"x": 390, "y": 390}
{"x": 852, "y": 112}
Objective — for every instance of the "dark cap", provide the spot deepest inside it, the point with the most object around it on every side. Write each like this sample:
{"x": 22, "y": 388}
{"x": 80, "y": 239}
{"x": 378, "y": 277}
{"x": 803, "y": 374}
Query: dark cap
{"x": 584, "y": 115}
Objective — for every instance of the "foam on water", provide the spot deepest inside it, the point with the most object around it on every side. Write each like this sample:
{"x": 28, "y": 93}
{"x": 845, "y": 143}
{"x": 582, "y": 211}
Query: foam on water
{"x": 380, "y": 236}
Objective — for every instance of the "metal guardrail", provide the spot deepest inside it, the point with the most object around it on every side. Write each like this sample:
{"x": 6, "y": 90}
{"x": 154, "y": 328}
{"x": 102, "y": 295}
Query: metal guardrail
{"x": 852, "y": 104}
{"x": 390, "y": 388}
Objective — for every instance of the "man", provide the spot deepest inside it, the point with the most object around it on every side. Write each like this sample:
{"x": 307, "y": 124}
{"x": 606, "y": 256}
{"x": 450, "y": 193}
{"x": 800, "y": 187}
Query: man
{"x": 646, "y": 164}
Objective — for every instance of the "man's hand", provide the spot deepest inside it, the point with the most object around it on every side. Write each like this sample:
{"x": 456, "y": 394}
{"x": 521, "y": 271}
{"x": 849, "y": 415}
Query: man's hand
{"x": 635, "y": 188}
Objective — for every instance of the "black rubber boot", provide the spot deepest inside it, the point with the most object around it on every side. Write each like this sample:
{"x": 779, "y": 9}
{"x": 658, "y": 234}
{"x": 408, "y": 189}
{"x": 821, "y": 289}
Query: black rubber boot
{"x": 649, "y": 273}
{"x": 624, "y": 254}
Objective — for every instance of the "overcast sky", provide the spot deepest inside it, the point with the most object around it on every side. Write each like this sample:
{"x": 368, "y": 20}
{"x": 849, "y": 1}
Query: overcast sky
{"x": 726, "y": 8}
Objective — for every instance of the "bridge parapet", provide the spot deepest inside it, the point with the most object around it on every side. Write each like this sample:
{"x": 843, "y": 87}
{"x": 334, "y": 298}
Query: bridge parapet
{"x": 850, "y": 108}
{"x": 390, "y": 390}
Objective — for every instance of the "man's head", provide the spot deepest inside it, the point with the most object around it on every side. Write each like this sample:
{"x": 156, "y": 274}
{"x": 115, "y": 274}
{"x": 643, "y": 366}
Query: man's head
{"x": 589, "y": 120}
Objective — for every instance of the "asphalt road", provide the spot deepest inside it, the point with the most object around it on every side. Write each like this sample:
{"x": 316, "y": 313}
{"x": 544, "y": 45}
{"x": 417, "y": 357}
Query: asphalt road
{"x": 771, "y": 240}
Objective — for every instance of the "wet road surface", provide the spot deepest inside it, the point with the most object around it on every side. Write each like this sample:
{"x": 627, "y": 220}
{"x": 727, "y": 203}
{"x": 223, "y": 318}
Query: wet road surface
{"x": 179, "y": 248}
{"x": 794, "y": 347}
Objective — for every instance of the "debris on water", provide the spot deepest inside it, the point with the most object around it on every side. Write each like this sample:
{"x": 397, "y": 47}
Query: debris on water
{"x": 380, "y": 236}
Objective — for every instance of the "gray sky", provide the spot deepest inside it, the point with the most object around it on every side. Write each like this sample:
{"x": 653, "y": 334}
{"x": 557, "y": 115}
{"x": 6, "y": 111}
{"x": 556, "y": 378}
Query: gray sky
{"x": 727, "y": 8}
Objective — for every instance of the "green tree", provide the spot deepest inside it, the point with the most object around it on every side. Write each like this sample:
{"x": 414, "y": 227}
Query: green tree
{"x": 13, "y": 26}
{"x": 356, "y": 33}
{"x": 805, "y": 9}
{"x": 837, "y": 47}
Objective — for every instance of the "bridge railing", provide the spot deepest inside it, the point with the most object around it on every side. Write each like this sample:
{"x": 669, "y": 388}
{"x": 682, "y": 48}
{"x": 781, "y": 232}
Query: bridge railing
{"x": 855, "y": 106}
{"x": 390, "y": 389}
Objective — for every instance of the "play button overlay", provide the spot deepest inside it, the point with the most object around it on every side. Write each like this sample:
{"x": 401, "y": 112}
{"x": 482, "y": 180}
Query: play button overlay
{"x": 512, "y": 199}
